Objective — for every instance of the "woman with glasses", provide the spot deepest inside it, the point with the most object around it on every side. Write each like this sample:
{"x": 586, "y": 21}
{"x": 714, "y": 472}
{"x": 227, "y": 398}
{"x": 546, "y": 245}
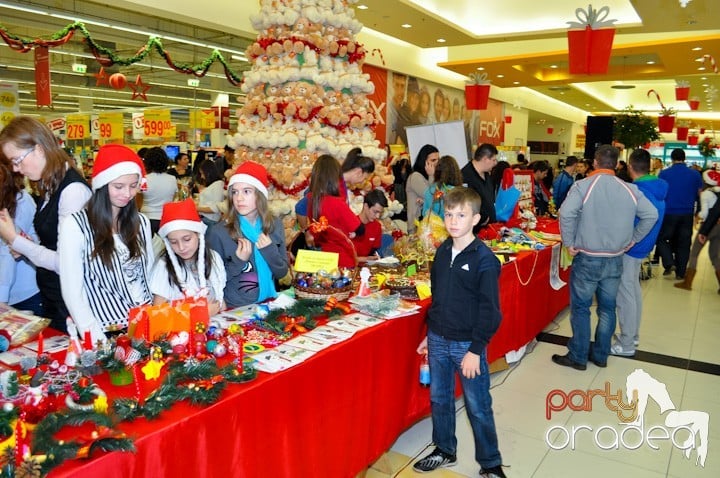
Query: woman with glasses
{"x": 34, "y": 152}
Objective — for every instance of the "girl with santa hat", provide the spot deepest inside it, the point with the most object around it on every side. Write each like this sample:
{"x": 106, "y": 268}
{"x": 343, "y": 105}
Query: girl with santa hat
{"x": 250, "y": 241}
{"x": 106, "y": 249}
{"x": 188, "y": 267}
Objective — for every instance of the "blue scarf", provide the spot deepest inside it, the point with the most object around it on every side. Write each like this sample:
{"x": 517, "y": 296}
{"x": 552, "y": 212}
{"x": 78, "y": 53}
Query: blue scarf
{"x": 266, "y": 285}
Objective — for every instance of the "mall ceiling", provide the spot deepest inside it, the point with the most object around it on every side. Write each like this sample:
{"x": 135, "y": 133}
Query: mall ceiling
{"x": 677, "y": 32}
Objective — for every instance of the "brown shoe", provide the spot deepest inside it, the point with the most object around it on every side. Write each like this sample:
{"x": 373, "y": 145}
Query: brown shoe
{"x": 687, "y": 281}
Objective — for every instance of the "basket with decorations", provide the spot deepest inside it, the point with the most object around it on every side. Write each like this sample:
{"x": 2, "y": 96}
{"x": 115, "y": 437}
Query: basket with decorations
{"x": 327, "y": 281}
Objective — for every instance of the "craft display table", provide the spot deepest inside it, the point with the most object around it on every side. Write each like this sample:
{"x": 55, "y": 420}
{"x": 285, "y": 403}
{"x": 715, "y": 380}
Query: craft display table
{"x": 331, "y": 416}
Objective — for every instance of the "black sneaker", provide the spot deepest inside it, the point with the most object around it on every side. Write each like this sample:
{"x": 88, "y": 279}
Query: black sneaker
{"x": 669, "y": 271}
{"x": 494, "y": 472}
{"x": 435, "y": 460}
{"x": 565, "y": 361}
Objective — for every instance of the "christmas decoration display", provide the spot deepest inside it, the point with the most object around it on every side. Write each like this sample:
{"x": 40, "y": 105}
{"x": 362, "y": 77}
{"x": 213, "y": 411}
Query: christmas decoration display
{"x": 682, "y": 90}
{"x": 590, "y": 44}
{"x": 139, "y": 88}
{"x": 306, "y": 93}
{"x": 707, "y": 147}
{"x": 107, "y": 57}
{"x": 666, "y": 120}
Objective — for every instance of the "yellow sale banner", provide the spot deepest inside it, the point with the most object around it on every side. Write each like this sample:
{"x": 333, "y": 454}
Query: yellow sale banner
{"x": 77, "y": 126}
{"x": 202, "y": 119}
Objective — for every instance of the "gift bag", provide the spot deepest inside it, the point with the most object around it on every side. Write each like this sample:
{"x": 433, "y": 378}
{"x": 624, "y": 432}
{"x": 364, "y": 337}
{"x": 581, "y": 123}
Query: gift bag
{"x": 505, "y": 203}
{"x": 151, "y": 321}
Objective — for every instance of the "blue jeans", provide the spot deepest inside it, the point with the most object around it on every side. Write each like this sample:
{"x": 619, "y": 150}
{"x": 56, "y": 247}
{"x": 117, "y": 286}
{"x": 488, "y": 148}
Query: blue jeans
{"x": 445, "y": 357}
{"x": 593, "y": 276}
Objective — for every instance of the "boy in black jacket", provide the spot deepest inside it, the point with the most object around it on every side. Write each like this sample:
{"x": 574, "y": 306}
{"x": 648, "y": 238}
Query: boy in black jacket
{"x": 464, "y": 315}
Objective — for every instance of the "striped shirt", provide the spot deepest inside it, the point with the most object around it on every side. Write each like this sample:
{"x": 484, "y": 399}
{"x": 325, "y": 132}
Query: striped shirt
{"x": 99, "y": 298}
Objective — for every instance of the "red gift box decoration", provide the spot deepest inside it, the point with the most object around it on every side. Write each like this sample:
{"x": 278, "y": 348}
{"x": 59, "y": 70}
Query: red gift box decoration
{"x": 508, "y": 119}
{"x": 682, "y": 92}
{"x": 590, "y": 41}
{"x": 666, "y": 124}
{"x": 476, "y": 96}
{"x": 682, "y": 133}
{"x": 692, "y": 140}
{"x": 694, "y": 103}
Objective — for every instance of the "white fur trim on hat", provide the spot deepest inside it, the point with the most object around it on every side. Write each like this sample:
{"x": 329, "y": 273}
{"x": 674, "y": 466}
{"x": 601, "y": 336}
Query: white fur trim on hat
{"x": 247, "y": 179}
{"x": 115, "y": 171}
{"x": 182, "y": 225}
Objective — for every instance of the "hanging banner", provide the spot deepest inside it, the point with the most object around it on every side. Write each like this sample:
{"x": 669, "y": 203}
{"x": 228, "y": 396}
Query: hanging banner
{"x": 378, "y": 99}
{"x": 157, "y": 124}
{"x": 491, "y": 124}
{"x": 110, "y": 126}
{"x": 138, "y": 125}
{"x": 43, "y": 97}
{"x": 202, "y": 119}
{"x": 9, "y": 104}
{"x": 77, "y": 126}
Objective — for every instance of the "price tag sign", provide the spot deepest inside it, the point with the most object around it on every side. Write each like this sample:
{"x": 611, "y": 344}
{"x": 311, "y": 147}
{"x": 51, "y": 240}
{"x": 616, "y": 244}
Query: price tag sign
{"x": 8, "y": 100}
{"x": 77, "y": 126}
{"x": 157, "y": 124}
{"x": 110, "y": 126}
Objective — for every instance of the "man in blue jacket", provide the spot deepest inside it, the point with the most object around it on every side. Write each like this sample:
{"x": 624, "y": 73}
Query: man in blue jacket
{"x": 565, "y": 179}
{"x": 629, "y": 297}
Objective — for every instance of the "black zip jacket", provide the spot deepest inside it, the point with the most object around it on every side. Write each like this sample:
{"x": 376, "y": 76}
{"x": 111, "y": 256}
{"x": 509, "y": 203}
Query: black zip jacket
{"x": 465, "y": 295}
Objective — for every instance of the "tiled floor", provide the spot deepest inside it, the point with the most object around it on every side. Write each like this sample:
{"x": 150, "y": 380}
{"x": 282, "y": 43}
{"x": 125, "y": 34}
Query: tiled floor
{"x": 680, "y": 335}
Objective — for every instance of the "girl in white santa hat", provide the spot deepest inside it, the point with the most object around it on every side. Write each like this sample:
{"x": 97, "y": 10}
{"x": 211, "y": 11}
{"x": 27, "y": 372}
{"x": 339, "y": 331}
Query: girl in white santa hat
{"x": 106, "y": 249}
{"x": 188, "y": 267}
{"x": 250, "y": 241}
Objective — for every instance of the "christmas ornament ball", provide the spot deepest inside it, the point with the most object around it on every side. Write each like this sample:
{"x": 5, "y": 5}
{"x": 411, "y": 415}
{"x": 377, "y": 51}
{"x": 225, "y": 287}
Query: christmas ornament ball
{"x": 220, "y": 350}
{"x": 210, "y": 345}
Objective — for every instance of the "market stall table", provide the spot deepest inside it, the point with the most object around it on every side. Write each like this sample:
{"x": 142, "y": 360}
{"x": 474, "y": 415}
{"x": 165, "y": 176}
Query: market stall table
{"x": 331, "y": 416}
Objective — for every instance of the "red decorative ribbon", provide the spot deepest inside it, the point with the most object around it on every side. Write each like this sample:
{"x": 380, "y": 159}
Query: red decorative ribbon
{"x": 294, "y": 323}
{"x": 291, "y": 190}
{"x": 316, "y": 227}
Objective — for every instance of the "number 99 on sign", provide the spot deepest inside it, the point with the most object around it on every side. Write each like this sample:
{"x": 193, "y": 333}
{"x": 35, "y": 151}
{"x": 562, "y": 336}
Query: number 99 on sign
{"x": 105, "y": 130}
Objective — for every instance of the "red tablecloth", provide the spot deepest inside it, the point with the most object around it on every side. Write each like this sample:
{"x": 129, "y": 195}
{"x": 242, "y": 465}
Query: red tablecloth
{"x": 330, "y": 416}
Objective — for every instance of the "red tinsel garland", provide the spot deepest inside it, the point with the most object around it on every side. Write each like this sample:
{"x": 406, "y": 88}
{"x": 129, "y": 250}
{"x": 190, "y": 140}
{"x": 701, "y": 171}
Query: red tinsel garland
{"x": 288, "y": 190}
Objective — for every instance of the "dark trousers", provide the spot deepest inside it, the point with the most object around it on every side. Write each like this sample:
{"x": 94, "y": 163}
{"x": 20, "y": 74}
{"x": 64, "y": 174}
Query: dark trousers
{"x": 674, "y": 241}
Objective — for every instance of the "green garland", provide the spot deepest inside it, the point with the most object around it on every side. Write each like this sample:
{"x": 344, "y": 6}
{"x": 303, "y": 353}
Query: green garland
{"x": 6, "y": 421}
{"x": 107, "y": 57}
{"x": 57, "y": 451}
{"x": 198, "y": 382}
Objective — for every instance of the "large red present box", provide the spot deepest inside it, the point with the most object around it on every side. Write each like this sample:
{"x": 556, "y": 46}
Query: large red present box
{"x": 476, "y": 96}
{"x": 682, "y": 93}
{"x": 682, "y": 133}
{"x": 589, "y": 50}
{"x": 666, "y": 124}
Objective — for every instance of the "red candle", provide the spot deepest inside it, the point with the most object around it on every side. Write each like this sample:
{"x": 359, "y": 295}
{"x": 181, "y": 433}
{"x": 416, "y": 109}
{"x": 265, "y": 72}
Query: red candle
{"x": 88, "y": 341}
{"x": 240, "y": 357}
{"x": 41, "y": 345}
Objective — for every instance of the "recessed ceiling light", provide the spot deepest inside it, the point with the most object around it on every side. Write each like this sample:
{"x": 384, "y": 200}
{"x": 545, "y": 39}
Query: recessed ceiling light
{"x": 650, "y": 62}
{"x": 362, "y": 7}
{"x": 587, "y": 104}
{"x": 481, "y": 68}
{"x": 406, "y": 25}
{"x": 501, "y": 76}
{"x": 697, "y": 48}
{"x": 703, "y": 78}
{"x": 516, "y": 82}
{"x": 440, "y": 40}
{"x": 706, "y": 84}
{"x": 701, "y": 68}
{"x": 553, "y": 66}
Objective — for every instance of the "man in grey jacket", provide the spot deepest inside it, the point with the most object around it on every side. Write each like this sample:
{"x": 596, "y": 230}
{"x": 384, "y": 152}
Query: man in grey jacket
{"x": 601, "y": 218}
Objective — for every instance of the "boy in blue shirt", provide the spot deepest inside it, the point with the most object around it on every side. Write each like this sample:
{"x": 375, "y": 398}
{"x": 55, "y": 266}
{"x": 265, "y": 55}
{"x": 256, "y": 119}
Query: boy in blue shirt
{"x": 464, "y": 315}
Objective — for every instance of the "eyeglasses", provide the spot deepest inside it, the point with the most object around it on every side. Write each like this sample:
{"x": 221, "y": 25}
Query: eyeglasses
{"x": 16, "y": 162}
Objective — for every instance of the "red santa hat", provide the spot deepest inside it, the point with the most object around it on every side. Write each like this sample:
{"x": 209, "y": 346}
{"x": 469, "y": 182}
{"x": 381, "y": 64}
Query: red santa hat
{"x": 251, "y": 173}
{"x": 183, "y": 215}
{"x": 711, "y": 177}
{"x": 113, "y": 161}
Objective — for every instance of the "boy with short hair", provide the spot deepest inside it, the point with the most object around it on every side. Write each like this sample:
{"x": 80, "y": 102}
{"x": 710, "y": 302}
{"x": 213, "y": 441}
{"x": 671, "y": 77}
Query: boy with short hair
{"x": 464, "y": 315}
{"x": 368, "y": 244}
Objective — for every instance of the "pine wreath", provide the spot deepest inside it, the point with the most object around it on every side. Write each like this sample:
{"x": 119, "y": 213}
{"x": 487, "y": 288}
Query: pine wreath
{"x": 103, "y": 438}
{"x": 198, "y": 382}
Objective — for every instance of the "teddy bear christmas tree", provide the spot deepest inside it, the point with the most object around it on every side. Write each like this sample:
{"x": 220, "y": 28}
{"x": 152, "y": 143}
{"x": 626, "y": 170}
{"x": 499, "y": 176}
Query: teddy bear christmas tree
{"x": 306, "y": 94}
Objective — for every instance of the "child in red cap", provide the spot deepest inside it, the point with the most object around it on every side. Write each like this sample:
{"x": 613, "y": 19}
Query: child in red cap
{"x": 106, "y": 249}
{"x": 187, "y": 267}
{"x": 250, "y": 241}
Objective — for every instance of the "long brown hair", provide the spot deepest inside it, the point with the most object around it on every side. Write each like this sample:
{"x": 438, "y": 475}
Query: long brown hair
{"x": 9, "y": 188}
{"x": 99, "y": 212}
{"x": 26, "y": 133}
{"x": 324, "y": 181}
{"x": 232, "y": 222}
{"x": 447, "y": 172}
